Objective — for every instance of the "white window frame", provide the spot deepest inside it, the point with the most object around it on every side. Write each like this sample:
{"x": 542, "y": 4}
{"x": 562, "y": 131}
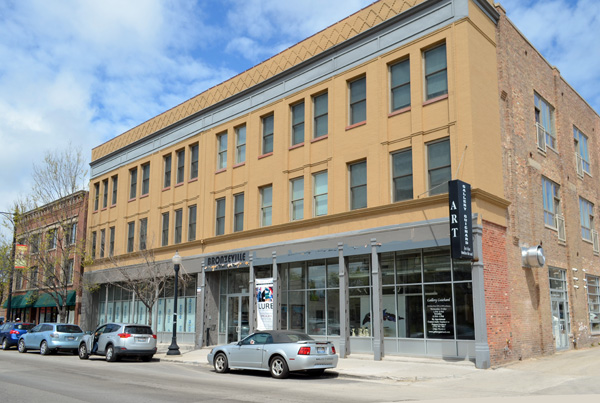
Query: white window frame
{"x": 297, "y": 198}
{"x": 266, "y": 206}
{"x": 240, "y": 144}
{"x": 221, "y": 151}
{"x": 318, "y": 196}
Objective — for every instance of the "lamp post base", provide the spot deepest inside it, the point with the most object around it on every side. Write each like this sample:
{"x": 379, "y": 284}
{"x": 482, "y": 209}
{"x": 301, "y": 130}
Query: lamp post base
{"x": 173, "y": 348}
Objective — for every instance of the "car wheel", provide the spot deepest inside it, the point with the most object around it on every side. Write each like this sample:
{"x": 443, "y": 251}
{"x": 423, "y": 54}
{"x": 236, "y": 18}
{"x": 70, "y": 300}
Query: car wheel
{"x": 44, "y": 350}
{"x": 279, "y": 368}
{"x": 5, "y": 345}
{"x": 83, "y": 352}
{"x": 221, "y": 364}
{"x": 21, "y": 346}
{"x": 110, "y": 354}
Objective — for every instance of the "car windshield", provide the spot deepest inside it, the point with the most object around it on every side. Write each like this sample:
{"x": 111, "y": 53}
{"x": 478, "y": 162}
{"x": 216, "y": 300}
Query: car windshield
{"x": 24, "y": 326}
{"x": 68, "y": 329}
{"x": 138, "y": 330}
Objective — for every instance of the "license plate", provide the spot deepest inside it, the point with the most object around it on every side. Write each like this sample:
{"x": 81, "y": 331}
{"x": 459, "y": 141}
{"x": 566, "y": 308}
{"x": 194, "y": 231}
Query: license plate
{"x": 320, "y": 350}
{"x": 70, "y": 338}
{"x": 141, "y": 339}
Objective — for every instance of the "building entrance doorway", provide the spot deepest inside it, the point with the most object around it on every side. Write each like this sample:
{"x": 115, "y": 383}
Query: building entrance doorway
{"x": 560, "y": 308}
{"x": 237, "y": 317}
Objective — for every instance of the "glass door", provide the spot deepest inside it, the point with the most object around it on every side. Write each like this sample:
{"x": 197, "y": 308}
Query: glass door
{"x": 237, "y": 317}
{"x": 560, "y": 308}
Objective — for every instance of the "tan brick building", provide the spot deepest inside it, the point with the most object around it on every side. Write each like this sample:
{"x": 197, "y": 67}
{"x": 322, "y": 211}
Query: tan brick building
{"x": 325, "y": 169}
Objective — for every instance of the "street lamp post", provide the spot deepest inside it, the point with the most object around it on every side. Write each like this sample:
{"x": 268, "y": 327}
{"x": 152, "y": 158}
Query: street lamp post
{"x": 12, "y": 269}
{"x": 174, "y": 348}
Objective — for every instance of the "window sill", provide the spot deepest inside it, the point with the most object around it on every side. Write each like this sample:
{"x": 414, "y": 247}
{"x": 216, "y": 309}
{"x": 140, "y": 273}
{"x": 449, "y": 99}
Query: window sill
{"x": 95, "y": 211}
{"x": 218, "y": 171}
{"x": 132, "y": 199}
{"x": 265, "y": 155}
{"x": 325, "y": 136}
{"x": 178, "y": 184}
{"x": 436, "y": 99}
{"x": 104, "y": 208}
{"x": 241, "y": 164}
{"x": 399, "y": 111}
{"x": 113, "y": 205}
{"x": 193, "y": 180}
{"x": 587, "y": 241}
{"x": 167, "y": 188}
{"x": 144, "y": 196}
{"x": 296, "y": 146}
{"x": 364, "y": 122}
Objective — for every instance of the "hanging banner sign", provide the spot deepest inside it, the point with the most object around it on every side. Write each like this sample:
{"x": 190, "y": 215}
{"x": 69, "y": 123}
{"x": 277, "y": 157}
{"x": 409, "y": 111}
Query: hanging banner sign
{"x": 461, "y": 223}
{"x": 20, "y": 256}
{"x": 264, "y": 303}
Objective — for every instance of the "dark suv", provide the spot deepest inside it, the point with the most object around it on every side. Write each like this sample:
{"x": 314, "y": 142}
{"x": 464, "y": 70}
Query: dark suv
{"x": 10, "y": 332}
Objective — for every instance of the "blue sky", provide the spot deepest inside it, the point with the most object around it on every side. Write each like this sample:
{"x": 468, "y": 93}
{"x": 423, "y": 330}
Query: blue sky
{"x": 82, "y": 72}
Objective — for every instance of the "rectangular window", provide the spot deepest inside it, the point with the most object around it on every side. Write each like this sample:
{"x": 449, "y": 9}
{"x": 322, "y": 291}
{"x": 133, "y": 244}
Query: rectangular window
{"x": 102, "y": 242}
{"x": 267, "y": 136}
{"x": 222, "y": 151}
{"x": 544, "y": 122}
{"x": 400, "y": 85}
{"x": 105, "y": 193}
{"x": 321, "y": 113}
{"x": 581, "y": 152}
{"x": 111, "y": 243}
{"x": 586, "y": 212}
{"x": 167, "y": 168}
{"x": 180, "y": 166}
{"x": 266, "y": 205}
{"x": 238, "y": 212}
{"x": 115, "y": 187}
{"x": 298, "y": 123}
{"x": 320, "y": 193}
{"x": 132, "y": 183}
{"x": 358, "y": 100}
{"x": 143, "y": 233}
{"x": 178, "y": 225}
{"x": 194, "y": 161}
{"x": 72, "y": 234}
{"x": 593, "y": 284}
{"x": 551, "y": 199}
{"x": 240, "y": 144}
{"x": 96, "y": 195}
{"x": 94, "y": 236}
{"x": 145, "y": 179}
{"x": 358, "y": 185}
{"x": 69, "y": 272}
{"x": 402, "y": 175}
{"x": 436, "y": 77}
{"x": 130, "y": 236}
{"x": 52, "y": 239}
{"x": 220, "y": 217}
{"x": 297, "y": 199}
{"x": 439, "y": 169}
{"x": 165, "y": 229}
{"x": 192, "y": 223}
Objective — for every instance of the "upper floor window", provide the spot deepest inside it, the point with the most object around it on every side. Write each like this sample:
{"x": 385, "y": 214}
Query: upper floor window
{"x": 102, "y": 242}
{"x": 320, "y": 193}
{"x": 267, "y": 136}
{"x": 266, "y": 205}
{"x": 111, "y": 242}
{"x": 544, "y": 122}
{"x": 145, "y": 179}
{"x": 297, "y": 199}
{"x": 581, "y": 152}
{"x": 436, "y": 77}
{"x": 438, "y": 163}
{"x": 69, "y": 272}
{"x": 402, "y": 175}
{"x": 193, "y": 161}
{"x": 180, "y": 166}
{"x": 132, "y": 183}
{"x": 321, "y": 113}
{"x": 115, "y": 186}
{"x": 178, "y": 226}
{"x": 240, "y": 144}
{"x": 220, "y": 217}
{"x": 222, "y": 151}
{"x": 105, "y": 193}
{"x": 358, "y": 185}
{"x": 52, "y": 234}
{"x": 130, "y": 236}
{"x": 167, "y": 171}
{"x": 400, "y": 85}
{"x": 551, "y": 198}
{"x": 165, "y": 229}
{"x": 586, "y": 212}
{"x": 238, "y": 212}
{"x": 94, "y": 236}
{"x": 71, "y": 235}
{"x": 358, "y": 100}
{"x": 96, "y": 195}
{"x": 298, "y": 123}
{"x": 143, "y": 233}
{"x": 192, "y": 223}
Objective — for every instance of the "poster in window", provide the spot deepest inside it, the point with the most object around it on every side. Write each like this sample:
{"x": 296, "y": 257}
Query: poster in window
{"x": 439, "y": 313}
{"x": 264, "y": 303}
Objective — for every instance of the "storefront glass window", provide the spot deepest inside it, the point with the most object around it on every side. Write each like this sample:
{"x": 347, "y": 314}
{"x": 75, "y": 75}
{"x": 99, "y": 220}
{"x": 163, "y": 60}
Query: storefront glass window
{"x": 316, "y": 312}
{"x": 436, "y": 265}
{"x": 463, "y": 305}
{"x": 358, "y": 271}
{"x": 438, "y": 311}
{"x": 408, "y": 268}
{"x": 316, "y": 274}
{"x": 360, "y": 311}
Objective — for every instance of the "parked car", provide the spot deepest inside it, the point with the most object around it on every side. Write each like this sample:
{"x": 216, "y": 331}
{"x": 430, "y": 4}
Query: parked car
{"x": 10, "y": 332}
{"x": 116, "y": 340}
{"x": 50, "y": 338}
{"x": 277, "y": 351}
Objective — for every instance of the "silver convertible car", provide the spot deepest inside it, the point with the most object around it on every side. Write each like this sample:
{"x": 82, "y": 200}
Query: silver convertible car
{"x": 277, "y": 351}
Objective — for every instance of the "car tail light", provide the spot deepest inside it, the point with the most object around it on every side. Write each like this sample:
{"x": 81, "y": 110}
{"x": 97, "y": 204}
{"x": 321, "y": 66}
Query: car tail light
{"x": 14, "y": 332}
{"x": 333, "y": 349}
{"x": 54, "y": 335}
{"x": 124, "y": 335}
{"x": 304, "y": 351}
{"x": 154, "y": 336}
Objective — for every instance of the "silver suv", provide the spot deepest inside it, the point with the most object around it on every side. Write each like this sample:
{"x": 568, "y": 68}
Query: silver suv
{"x": 116, "y": 340}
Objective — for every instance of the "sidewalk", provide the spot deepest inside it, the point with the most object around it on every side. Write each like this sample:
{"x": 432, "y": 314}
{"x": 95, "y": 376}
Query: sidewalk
{"x": 396, "y": 368}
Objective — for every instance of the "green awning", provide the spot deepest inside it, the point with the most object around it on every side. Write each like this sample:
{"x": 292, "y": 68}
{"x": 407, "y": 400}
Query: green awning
{"x": 22, "y": 301}
{"x": 46, "y": 301}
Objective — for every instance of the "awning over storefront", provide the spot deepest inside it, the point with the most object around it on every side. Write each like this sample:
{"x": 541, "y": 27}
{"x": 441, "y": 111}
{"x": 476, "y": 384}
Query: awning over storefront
{"x": 45, "y": 300}
{"x": 21, "y": 301}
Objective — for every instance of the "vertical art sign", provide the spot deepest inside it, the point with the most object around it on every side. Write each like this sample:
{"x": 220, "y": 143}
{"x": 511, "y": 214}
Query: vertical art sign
{"x": 20, "y": 256}
{"x": 461, "y": 224}
{"x": 264, "y": 303}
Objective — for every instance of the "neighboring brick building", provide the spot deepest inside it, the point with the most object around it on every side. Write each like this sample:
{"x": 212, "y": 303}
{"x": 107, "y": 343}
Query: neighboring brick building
{"x": 325, "y": 169}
